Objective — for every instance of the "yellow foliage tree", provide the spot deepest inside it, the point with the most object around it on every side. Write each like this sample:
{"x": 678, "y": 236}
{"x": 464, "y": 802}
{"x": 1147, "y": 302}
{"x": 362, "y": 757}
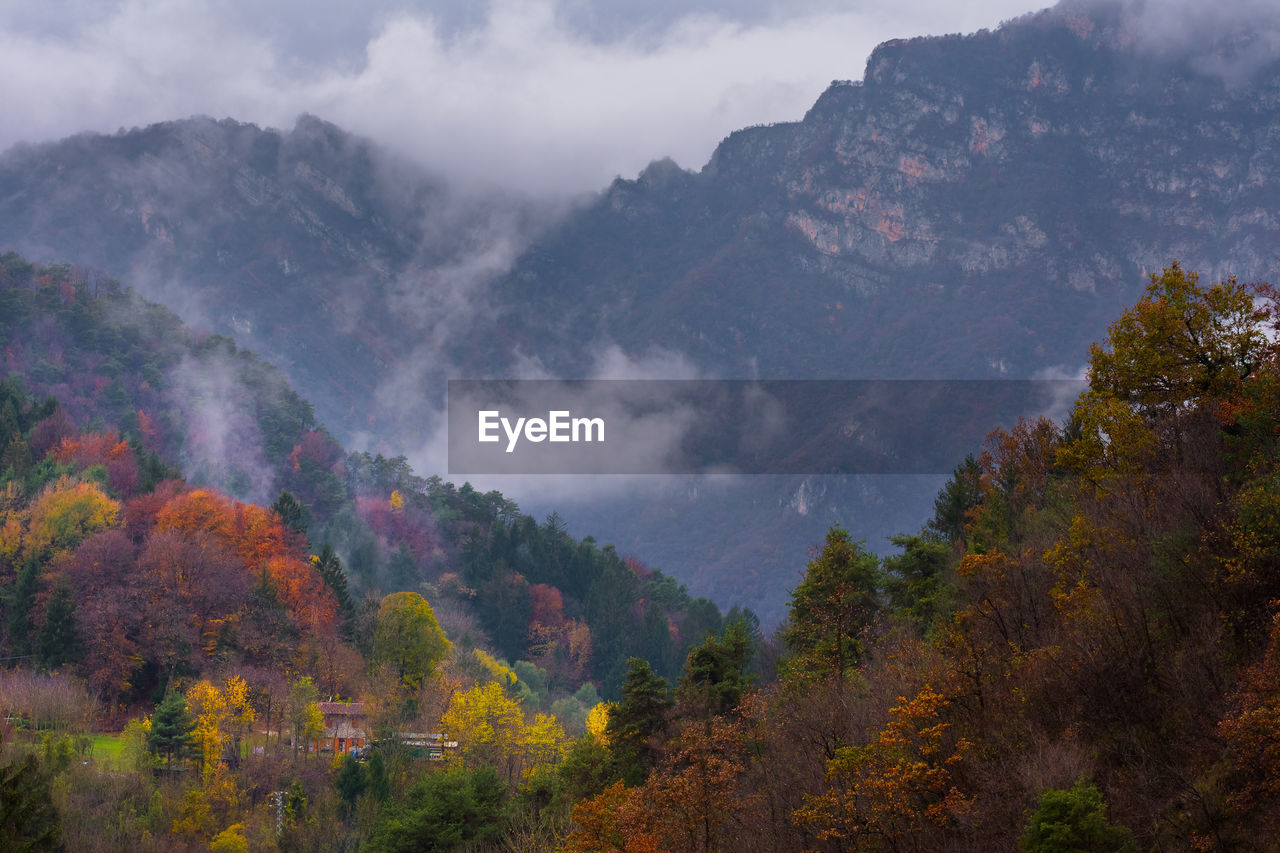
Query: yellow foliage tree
{"x": 208, "y": 707}
{"x": 408, "y": 637}
{"x": 598, "y": 721}
{"x": 1183, "y": 347}
{"x": 221, "y": 717}
{"x": 230, "y": 840}
{"x": 241, "y": 714}
{"x": 500, "y": 671}
{"x": 491, "y": 729}
{"x": 62, "y": 516}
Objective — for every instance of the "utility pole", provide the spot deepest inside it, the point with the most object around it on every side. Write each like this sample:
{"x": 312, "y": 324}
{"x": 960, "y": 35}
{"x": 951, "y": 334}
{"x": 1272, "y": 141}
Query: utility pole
{"x": 279, "y": 798}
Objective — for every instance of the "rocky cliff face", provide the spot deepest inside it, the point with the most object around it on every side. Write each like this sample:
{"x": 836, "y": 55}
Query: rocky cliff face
{"x": 976, "y": 206}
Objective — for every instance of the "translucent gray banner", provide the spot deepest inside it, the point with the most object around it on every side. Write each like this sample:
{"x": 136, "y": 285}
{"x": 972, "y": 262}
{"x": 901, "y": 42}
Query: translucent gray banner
{"x": 735, "y": 426}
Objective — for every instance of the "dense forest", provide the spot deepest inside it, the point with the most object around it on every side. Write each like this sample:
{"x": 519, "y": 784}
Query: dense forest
{"x": 1079, "y": 651}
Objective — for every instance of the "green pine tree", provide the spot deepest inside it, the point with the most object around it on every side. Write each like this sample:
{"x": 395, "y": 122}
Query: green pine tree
{"x": 961, "y": 494}
{"x": 351, "y": 782}
{"x": 914, "y": 580}
{"x": 715, "y": 674}
{"x": 20, "y": 599}
{"x": 638, "y": 721}
{"x": 831, "y": 608}
{"x": 58, "y": 641}
{"x": 292, "y": 513}
{"x": 1074, "y": 821}
{"x": 171, "y": 728}
{"x": 331, "y": 570}
{"x": 28, "y": 819}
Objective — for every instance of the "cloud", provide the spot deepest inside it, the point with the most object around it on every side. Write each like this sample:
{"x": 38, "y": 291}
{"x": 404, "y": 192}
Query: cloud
{"x": 531, "y": 95}
{"x": 1062, "y": 387}
{"x": 1230, "y": 39}
{"x": 222, "y": 443}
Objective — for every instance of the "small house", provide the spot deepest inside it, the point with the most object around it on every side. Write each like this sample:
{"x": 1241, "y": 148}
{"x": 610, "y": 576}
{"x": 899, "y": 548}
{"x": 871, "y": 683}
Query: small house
{"x": 344, "y": 727}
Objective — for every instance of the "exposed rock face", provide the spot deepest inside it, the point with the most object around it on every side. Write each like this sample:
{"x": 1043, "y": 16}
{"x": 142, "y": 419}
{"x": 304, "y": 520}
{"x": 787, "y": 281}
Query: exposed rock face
{"x": 976, "y": 205}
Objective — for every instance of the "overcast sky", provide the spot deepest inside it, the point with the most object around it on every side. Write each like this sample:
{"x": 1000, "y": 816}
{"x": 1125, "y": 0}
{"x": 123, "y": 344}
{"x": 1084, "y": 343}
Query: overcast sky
{"x": 539, "y": 95}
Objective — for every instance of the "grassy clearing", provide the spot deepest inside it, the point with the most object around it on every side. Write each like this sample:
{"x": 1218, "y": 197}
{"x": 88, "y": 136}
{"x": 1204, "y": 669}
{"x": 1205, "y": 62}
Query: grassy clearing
{"x": 108, "y": 752}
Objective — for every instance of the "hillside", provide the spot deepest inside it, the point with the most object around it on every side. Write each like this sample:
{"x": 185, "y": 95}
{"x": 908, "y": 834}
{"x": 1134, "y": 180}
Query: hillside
{"x": 1078, "y": 653}
{"x": 130, "y": 371}
{"x": 306, "y": 246}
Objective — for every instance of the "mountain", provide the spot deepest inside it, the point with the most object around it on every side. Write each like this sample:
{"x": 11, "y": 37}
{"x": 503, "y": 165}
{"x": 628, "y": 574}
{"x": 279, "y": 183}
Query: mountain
{"x": 297, "y": 243}
{"x": 976, "y": 206}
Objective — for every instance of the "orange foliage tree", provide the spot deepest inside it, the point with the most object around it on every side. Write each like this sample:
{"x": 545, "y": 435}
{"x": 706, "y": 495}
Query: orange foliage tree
{"x": 260, "y": 540}
{"x": 899, "y": 789}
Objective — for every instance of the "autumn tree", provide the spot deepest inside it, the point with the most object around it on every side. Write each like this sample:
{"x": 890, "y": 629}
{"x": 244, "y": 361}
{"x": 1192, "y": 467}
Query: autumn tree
{"x": 611, "y": 822}
{"x": 1252, "y": 733}
{"x": 597, "y": 722}
{"x": 191, "y": 587}
{"x": 694, "y": 798}
{"x": 899, "y": 789}
{"x": 491, "y": 730}
{"x": 1182, "y": 349}
{"x": 64, "y": 514}
{"x": 1181, "y": 343}
{"x": 408, "y": 638}
{"x": 110, "y": 611}
{"x": 222, "y": 715}
{"x": 207, "y": 708}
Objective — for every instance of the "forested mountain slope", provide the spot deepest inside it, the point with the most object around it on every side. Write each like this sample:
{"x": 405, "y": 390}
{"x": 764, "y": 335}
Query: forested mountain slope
{"x": 152, "y": 388}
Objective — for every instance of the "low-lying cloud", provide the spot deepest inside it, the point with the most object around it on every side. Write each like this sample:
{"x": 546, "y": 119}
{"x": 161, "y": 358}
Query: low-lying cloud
{"x": 534, "y": 95}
